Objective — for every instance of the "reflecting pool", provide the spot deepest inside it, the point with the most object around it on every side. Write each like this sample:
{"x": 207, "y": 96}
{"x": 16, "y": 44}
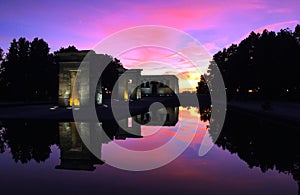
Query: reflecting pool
{"x": 251, "y": 156}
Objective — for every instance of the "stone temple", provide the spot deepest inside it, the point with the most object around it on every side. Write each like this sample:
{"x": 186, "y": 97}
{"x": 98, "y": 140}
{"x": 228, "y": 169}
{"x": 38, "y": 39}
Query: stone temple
{"x": 131, "y": 84}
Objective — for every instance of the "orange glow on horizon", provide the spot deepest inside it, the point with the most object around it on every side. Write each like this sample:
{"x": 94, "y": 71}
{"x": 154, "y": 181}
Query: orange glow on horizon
{"x": 159, "y": 61}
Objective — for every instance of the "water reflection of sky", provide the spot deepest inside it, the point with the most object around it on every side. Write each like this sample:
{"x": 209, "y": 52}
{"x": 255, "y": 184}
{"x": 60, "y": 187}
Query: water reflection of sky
{"x": 156, "y": 136}
{"x": 218, "y": 172}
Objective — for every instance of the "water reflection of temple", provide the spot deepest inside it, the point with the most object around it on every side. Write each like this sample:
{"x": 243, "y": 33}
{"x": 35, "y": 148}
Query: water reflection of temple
{"x": 32, "y": 140}
{"x": 167, "y": 116}
{"x": 75, "y": 155}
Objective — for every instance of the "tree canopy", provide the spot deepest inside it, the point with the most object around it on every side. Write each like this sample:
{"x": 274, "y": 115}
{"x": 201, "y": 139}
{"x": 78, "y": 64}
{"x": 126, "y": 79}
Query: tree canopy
{"x": 202, "y": 86}
{"x": 1, "y": 61}
{"x": 1, "y": 55}
{"x": 263, "y": 65}
{"x": 111, "y": 74}
{"x": 70, "y": 48}
{"x": 28, "y": 70}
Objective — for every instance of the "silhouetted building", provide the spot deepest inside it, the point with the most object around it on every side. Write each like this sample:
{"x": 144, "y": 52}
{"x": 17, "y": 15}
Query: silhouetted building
{"x": 159, "y": 85}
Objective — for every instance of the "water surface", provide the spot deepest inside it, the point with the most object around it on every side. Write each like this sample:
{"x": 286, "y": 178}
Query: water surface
{"x": 40, "y": 157}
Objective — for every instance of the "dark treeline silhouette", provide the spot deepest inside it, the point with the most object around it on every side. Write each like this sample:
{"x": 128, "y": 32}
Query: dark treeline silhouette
{"x": 1, "y": 67}
{"x": 264, "y": 66}
{"x": 1, "y": 59}
{"x": 202, "y": 87}
{"x": 110, "y": 75}
{"x": 29, "y": 72}
{"x": 71, "y": 48}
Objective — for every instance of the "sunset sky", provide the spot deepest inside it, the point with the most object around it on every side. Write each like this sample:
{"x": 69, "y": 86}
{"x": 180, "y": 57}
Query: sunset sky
{"x": 215, "y": 24}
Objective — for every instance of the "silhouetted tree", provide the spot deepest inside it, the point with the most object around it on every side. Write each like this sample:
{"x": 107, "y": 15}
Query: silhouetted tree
{"x": 16, "y": 73}
{"x": 111, "y": 74}
{"x": 202, "y": 86}
{"x": 1, "y": 56}
{"x": 2, "y": 84}
{"x": 210, "y": 77}
{"x": 29, "y": 72}
{"x": 41, "y": 69}
{"x": 2, "y": 141}
{"x": 70, "y": 48}
{"x": 262, "y": 65}
{"x": 297, "y": 32}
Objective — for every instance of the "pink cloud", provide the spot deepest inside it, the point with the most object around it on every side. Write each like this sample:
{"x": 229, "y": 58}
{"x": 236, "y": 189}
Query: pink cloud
{"x": 160, "y": 61}
{"x": 198, "y": 15}
{"x": 85, "y": 24}
{"x": 193, "y": 15}
{"x": 212, "y": 47}
{"x": 271, "y": 27}
{"x": 277, "y": 26}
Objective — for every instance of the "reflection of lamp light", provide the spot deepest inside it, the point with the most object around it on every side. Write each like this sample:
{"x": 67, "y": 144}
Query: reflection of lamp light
{"x": 250, "y": 91}
{"x": 125, "y": 95}
{"x": 129, "y": 121}
{"x": 53, "y": 108}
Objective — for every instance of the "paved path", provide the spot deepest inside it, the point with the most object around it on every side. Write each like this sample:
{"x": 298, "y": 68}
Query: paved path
{"x": 288, "y": 111}
{"x": 53, "y": 112}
